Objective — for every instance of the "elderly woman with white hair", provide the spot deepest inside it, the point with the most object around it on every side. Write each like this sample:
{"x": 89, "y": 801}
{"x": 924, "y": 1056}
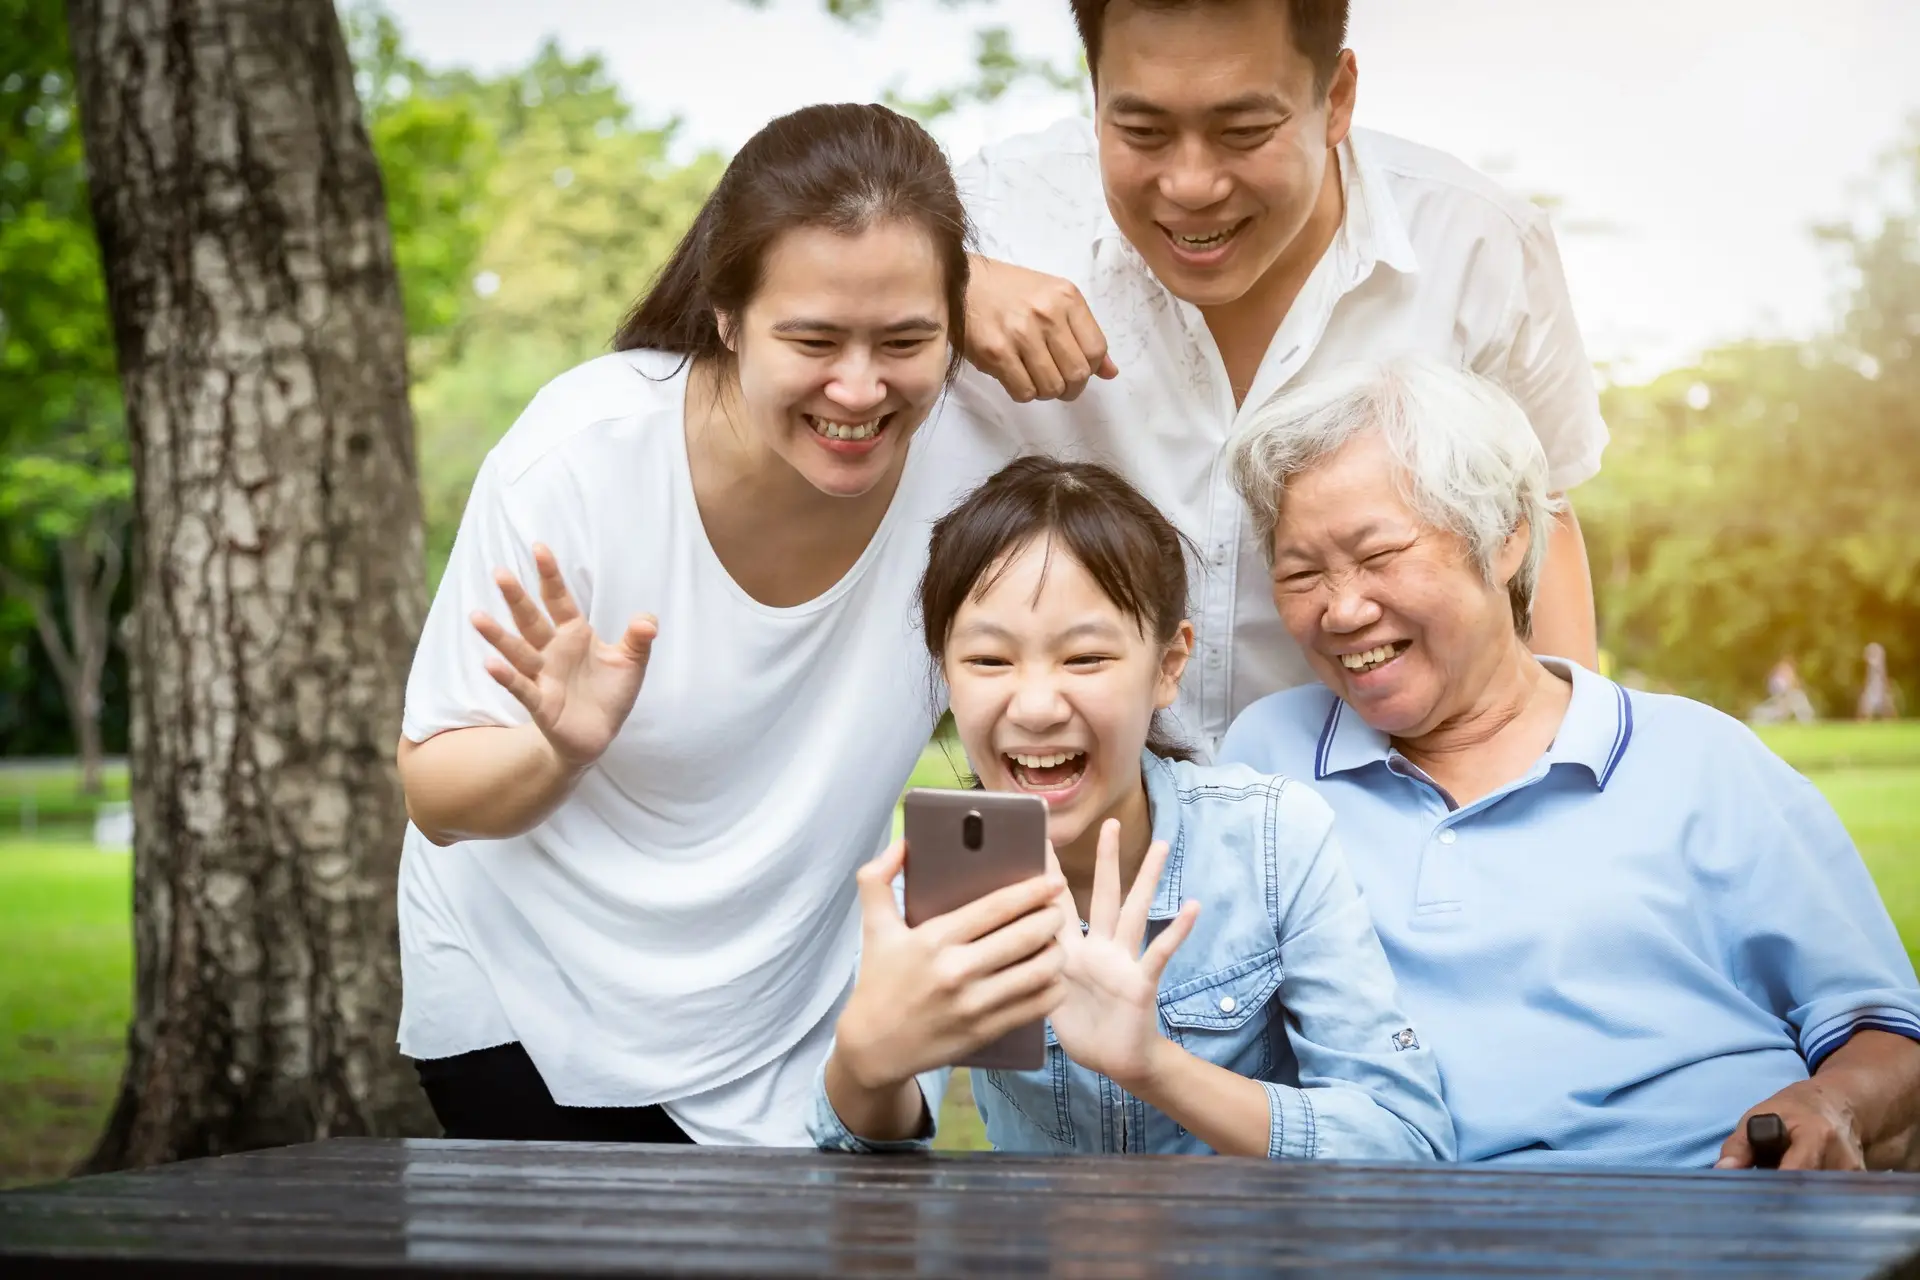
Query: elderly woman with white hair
{"x": 1621, "y": 923}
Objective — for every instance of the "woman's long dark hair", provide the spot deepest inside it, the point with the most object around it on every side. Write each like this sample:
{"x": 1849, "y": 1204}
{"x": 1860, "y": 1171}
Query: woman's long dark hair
{"x": 1127, "y": 546}
{"x": 844, "y": 167}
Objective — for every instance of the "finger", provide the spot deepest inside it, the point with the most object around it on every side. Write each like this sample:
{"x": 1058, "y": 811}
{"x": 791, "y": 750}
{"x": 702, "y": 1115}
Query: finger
{"x": 642, "y": 628}
{"x": 1087, "y": 336}
{"x": 988, "y": 1027}
{"x": 1011, "y": 944}
{"x": 1103, "y": 908}
{"x": 1817, "y": 1145}
{"x": 529, "y": 619}
{"x": 1030, "y": 344}
{"x": 525, "y": 658}
{"x": 1063, "y": 348}
{"x": 525, "y": 692}
{"x": 1108, "y": 369}
{"x": 1069, "y": 913}
{"x": 1146, "y": 883}
{"x": 1155, "y": 961}
{"x": 1012, "y": 987}
{"x": 553, "y": 587}
{"x": 1735, "y": 1153}
{"x": 998, "y": 359}
{"x": 995, "y": 910}
{"x": 879, "y": 910}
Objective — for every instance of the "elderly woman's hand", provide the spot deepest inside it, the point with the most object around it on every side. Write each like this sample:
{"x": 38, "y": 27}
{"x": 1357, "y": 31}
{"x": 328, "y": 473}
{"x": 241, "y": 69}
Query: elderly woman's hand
{"x": 1822, "y": 1132}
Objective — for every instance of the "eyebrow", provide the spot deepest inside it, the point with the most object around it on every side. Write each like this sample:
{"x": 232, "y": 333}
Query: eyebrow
{"x": 913, "y": 324}
{"x": 1097, "y": 629}
{"x": 1134, "y": 104}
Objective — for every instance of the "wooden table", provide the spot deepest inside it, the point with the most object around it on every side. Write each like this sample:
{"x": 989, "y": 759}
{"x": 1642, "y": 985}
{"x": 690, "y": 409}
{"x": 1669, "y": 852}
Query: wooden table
{"x": 371, "y": 1208}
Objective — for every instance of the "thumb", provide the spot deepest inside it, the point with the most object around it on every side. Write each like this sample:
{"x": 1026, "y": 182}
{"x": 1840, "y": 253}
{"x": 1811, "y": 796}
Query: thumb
{"x": 1107, "y": 369}
{"x": 878, "y": 907}
{"x": 637, "y": 641}
{"x": 1735, "y": 1153}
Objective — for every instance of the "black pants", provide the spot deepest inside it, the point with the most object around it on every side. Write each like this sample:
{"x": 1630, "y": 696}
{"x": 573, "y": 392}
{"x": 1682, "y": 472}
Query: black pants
{"x": 498, "y": 1093}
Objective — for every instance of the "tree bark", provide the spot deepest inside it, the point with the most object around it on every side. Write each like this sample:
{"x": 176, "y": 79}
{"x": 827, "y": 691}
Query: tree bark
{"x": 277, "y": 578}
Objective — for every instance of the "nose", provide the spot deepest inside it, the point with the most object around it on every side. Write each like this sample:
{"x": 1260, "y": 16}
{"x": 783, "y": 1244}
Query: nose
{"x": 857, "y": 384}
{"x": 1349, "y": 606}
{"x": 1192, "y": 180}
{"x": 1037, "y": 704}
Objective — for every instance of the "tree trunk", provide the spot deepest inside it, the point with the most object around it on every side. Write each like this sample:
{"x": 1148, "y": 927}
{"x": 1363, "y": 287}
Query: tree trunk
{"x": 277, "y": 581}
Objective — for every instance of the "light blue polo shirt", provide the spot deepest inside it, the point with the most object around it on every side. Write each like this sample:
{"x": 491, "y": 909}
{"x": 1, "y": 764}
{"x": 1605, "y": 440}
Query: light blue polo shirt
{"x": 1658, "y": 926}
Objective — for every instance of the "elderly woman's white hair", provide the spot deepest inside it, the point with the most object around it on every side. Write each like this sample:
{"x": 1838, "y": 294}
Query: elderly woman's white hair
{"x": 1469, "y": 461}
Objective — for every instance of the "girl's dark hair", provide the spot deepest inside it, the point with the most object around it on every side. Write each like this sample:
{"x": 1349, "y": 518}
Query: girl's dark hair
{"x": 1131, "y": 551}
{"x": 844, "y": 167}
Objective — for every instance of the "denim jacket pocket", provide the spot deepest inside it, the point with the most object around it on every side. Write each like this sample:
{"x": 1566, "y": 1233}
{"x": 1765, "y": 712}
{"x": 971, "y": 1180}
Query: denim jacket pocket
{"x": 1040, "y": 1098}
{"x": 1221, "y": 1016}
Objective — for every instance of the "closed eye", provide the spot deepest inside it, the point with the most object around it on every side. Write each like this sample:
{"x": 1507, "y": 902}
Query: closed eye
{"x": 818, "y": 346}
{"x": 1089, "y": 661}
{"x": 984, "y": 662}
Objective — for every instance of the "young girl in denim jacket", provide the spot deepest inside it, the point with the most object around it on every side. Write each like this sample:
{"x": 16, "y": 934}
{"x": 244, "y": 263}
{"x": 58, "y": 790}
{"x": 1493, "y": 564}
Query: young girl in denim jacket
{"x": 1236, "y": 1000}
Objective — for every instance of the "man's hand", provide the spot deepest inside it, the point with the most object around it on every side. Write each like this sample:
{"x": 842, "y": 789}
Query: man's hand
{"x": 1822, "y": 1132}
{"x": 1032, "y": 332}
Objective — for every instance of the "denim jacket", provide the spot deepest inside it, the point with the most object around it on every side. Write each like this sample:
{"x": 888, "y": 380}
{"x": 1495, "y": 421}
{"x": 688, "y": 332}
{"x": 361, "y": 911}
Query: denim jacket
{"x": 1282, "y": 981}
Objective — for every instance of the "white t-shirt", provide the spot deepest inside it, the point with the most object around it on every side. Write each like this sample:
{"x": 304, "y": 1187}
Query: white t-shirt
{"x": 1430, "y": 257}
{"x": 683, "y": 927}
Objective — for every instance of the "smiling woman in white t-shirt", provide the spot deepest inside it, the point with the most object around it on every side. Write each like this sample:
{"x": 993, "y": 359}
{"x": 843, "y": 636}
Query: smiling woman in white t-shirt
{"x": 639, "y": 794}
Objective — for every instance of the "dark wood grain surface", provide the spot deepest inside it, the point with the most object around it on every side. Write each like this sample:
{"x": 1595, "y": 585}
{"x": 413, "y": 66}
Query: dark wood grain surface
{"x": 367, "y": 1207}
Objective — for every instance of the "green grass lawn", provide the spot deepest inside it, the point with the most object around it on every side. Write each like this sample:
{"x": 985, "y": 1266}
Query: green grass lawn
{"x": 66, "y": 949}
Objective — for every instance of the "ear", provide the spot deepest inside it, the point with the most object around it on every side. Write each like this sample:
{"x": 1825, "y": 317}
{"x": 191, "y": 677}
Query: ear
{"x": 1342, "y": 91}
{"x": 1513, "y": 553}
{"x": 1173, "y": 664}
{"x": 729, "y": 335}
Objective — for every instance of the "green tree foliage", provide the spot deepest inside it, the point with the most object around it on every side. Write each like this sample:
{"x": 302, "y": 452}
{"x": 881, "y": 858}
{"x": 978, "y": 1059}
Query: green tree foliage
{"x": 1760, "y": 505}
{"x": 65, "y": 487}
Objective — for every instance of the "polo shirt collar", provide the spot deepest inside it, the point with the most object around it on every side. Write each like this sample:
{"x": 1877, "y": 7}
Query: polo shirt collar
{"x": 1593, "y": 735}
{"x": 1371, "y": 229}
{"x": 1598, "y": 725}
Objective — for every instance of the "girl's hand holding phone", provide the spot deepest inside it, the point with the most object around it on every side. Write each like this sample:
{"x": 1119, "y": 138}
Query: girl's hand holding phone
{"x": 1109, "y": 1019}
{"x": 932, "y": 994}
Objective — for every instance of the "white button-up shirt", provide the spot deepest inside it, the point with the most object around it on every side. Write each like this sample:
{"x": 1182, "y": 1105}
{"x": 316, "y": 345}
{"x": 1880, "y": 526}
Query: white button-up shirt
{"x": 1431, "y": 257}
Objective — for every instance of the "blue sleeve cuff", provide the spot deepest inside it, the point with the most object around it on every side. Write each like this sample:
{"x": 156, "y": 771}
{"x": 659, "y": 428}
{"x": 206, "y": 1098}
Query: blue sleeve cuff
{"x": 830, "y": 1134}
{"x": 1820, "y": 1043}
{"x": 1291, "y": 1132}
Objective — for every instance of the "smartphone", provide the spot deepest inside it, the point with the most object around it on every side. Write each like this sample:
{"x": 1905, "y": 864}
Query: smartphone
{"x": 963, "y": 845}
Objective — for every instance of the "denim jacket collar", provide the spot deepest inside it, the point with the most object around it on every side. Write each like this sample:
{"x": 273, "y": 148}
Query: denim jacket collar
{"x": 1163, "y": 810}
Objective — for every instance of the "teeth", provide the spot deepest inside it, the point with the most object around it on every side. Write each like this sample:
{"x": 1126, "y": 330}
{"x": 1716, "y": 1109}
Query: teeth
{"x": 1206, "y": 241}
{"x": 1371, "y": 658}
{"x": 846, "y": 430}
{"x": 1044, "y": 762}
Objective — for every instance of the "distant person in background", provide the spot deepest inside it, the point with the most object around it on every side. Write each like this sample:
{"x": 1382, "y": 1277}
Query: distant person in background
{"x": 1876, "y": 698}
{"x": 1221, "y": 230}
{"x": 1786, "y": 699}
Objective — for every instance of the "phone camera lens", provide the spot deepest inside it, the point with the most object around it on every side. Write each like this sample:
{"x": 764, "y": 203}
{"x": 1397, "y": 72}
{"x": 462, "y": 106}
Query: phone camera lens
{"x": 973, "y": 832}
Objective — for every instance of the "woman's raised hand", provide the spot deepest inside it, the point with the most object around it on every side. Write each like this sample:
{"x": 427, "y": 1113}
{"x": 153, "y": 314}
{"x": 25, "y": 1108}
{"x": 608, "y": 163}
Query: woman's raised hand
{"x": 929, "y": 995}
{"x": 1109, "y": 1019}
{"x": 578, "y": 688}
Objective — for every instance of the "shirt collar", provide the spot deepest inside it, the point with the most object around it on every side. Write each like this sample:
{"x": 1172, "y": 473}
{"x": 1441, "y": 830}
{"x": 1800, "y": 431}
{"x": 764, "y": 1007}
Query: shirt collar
{"x": 1371, "y": 229}
{"x": 1593, "y": 735}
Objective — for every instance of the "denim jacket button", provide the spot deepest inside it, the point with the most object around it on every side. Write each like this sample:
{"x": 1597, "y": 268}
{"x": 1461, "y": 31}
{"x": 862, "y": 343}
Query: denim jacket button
{"x": 1226, "y": 1004}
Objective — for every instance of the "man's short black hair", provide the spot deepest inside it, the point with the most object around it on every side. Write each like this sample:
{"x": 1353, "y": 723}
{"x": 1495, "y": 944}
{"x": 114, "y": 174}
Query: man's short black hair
{"x": 1319, "y": 30}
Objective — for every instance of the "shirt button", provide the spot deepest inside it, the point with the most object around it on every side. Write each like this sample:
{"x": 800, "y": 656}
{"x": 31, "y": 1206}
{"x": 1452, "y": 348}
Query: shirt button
{"x": 1213, "y": 658}
{"x": 1447, "y": 837}
{"x": 1226, "y": 1004}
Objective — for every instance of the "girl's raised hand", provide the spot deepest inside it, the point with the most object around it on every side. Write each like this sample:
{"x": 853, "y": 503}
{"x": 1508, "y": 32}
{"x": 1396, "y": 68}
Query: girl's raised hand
{"x": 578, "y": 688}
{"x": 1109, "y": 1019}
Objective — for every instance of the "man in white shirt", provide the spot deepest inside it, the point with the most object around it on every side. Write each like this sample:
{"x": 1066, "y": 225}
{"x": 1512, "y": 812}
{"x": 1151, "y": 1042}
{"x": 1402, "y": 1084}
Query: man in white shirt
{"x": 1221, "y": 231}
